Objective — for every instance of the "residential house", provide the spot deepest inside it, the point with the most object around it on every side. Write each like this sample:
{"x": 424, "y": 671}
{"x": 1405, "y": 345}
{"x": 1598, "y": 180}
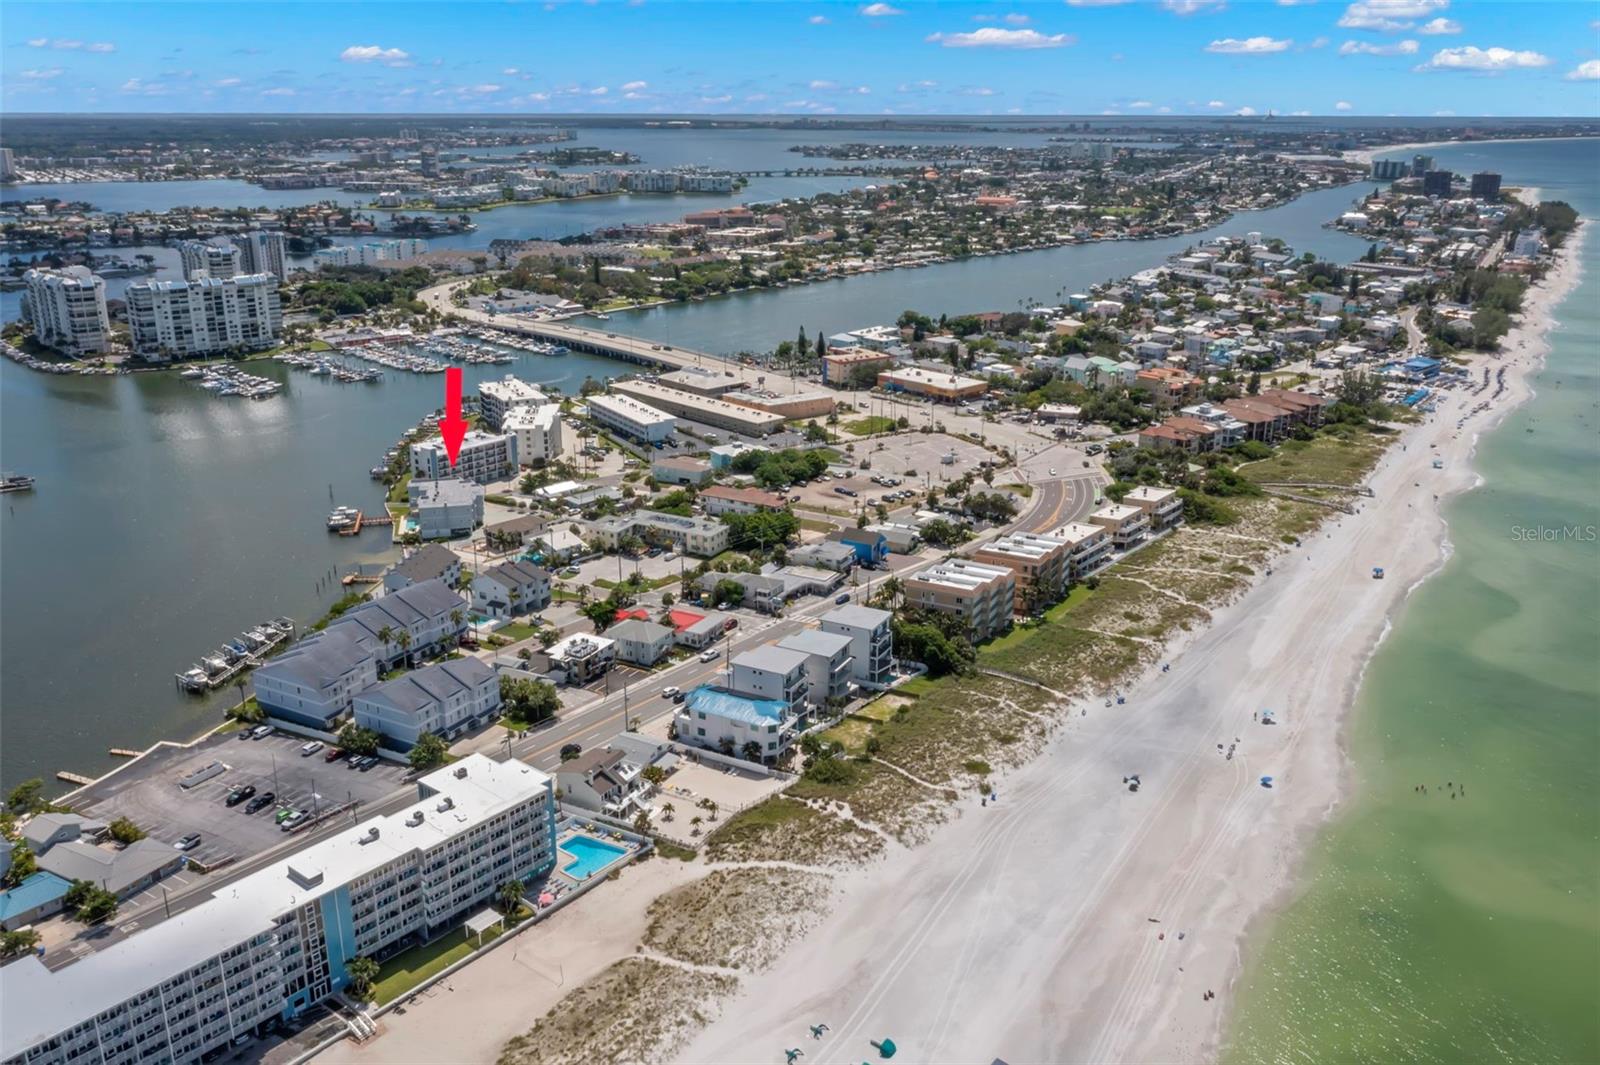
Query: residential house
{"x": 900, "y": 538}
{"x": 871, "y": 548}
{"x": 1163, "y": 506}
{"x": 37, "y": 897}
{"x": 871, "y": 642}
{"x": 123, "y": 871}
{"x": 771, "y": 672}
{"x": 603, "y": 781}
{"x": 828, "y": 664}
{"x": 313, "y": 682}
{"x": 643, "y": 643}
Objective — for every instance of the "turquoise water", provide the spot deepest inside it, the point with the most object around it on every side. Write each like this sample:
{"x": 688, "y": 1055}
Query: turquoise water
{"x": 1439, "y": 929}
{"x": 589, "y": 856}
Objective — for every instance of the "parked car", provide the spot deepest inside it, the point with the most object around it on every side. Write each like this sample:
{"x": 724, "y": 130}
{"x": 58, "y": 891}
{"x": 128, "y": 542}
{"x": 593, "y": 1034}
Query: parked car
{"x": 334, "y": 754}
{"x": 842, "y": 599}
{"x": 189, "y": 842}
{"x": 261, "y": 732}
{"x": 309, "y": 749}
{"x": 284, "y": 813}
{"x": 293, "y": 821}
{"x": 239, "y": 795}
{"x": 367, "y": 763}
{"x": 259, "y": 803}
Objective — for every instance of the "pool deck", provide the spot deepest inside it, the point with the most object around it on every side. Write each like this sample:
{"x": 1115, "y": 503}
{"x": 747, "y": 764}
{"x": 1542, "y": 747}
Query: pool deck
{"x": 599, "y": 833}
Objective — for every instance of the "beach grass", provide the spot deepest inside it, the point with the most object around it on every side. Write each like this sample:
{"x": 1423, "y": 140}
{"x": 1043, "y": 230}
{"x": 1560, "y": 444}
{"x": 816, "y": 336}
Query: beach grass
{"x": 851, "y": 734}
{"x": 782, "y": 829}
{"x": 1342, "y": 457}
{"x": 736, "y": 918}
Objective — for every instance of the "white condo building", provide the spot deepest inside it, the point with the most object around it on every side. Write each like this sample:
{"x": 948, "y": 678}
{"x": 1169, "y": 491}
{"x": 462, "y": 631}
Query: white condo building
{"x": 262, "y": 251}
{"x": 538, "y": 432}
{"x": 484, "y": 457}
{"x": 371, "y": 253}
{"x": 68, "y": 310}
{"x": 631, "y": 418}
{"x": 496, "y": 399}
{"x": 270, "y": 945}
{"x": 209, "y": 258}
{"x": 205, "y": 316}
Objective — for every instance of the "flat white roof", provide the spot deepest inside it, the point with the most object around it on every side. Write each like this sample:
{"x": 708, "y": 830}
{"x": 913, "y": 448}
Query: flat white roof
{"x": 630, "y": 408}
{"x": 1025, "y": 545}
{"x": 961, "y": 573}
{"x": 1151, "y": 494}
{"x": 36, "y": 1003}
{"x": 1076, "y": 532}
{"x": 939, "y": 378}
{"x": 1117, "y": 512}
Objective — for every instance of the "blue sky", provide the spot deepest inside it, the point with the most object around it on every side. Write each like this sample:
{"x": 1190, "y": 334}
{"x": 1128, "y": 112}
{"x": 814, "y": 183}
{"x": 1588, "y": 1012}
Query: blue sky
{"x": 1081, "y": 57}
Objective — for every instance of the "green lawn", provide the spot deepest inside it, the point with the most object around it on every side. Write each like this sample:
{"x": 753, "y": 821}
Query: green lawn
{"x": 397, "y": 491}
{"x": 850, "y": 734}
{"x": 516, "y": 630}
{"x": 1022, "y": 634}
{"x": 403, "y": 972}
{"x": 872, "y": 423}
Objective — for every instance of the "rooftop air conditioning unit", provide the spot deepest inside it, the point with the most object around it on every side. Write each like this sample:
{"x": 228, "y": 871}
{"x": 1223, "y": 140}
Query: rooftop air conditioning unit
{"x": 371, "y": 836}
{"x": 461, "y": 772}
{"x": 446, "y": 803}
{"x": 415, "y": 819}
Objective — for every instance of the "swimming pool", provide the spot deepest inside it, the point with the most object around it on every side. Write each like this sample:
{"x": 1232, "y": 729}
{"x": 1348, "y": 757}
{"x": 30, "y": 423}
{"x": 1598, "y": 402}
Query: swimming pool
{"x": 589, "y": 856}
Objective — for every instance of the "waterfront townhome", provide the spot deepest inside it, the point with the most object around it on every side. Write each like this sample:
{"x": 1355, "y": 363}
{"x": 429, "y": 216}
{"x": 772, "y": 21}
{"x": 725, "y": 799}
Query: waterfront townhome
{"x": 1125, "y": 524}
{"x": 408, "y": 624}
{"x": 828, "y": 664}
{"x": 772, "y": 672}
{"x": 1088, "y": 548}
{"x": 982, "y": 595}
{"x": 447, "y": 699}
{"x": 445, "y": 510}
{"x": 718, "y": 719}
{"x": 1039, "y": 563}
{"x": 483, "y": 457}
{"x": 603, "y": 781}
{"x": 509, "y": 589}
{"x": 270, "y": 945}
{"x": 496, "y": 399}
{"x": 871, "y": 642}
{"x": 313, "y": 682}
{"x": 1163, "y": 506}
{"x": 429, "y": 562}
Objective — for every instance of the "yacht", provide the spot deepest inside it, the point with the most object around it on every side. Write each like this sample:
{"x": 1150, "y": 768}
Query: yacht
{"x": 342, "y": 518}
{"x": 16, "y": 482}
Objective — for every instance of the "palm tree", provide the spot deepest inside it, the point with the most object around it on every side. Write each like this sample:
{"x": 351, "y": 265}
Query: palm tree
{"x": 455, "y": 621}
{"x": 403, "y": 638}
{"x": 509, "y": 896}
{"x": 667, "y": 810}
{"x": 385, "y": 634}
{"x": 641, "y": 823}
{"x": 710, "y": 807}
{"x": 360, "y": 972}
{"x": 695, "y": 822}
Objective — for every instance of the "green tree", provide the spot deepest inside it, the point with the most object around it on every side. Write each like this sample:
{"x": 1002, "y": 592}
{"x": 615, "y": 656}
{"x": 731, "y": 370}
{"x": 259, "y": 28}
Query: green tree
{"x": 528, "y": 701}
{"x": 358, "y": 739}
{"x": 429, "y": 751}
{"x": 751, "y": 751}
{"x": 509, "y": 896}
{"x": 15, "y": 944}
{"x": 27, "y": 798}
{"x": 23, "y": 865}
{"x": 654, "y": 775}
{"x": 125, "y": 831}
{"x": 360, "y": 973}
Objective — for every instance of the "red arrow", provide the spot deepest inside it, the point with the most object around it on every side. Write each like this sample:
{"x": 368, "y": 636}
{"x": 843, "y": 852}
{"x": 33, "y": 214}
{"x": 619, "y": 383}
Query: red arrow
{"x": 452, "y": 426}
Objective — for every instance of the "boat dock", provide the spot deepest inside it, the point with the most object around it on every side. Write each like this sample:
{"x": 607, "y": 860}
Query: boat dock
{"x": 246, "y": 651}
{"x": 348, "y": 521}
{"x": 73, "y": 778}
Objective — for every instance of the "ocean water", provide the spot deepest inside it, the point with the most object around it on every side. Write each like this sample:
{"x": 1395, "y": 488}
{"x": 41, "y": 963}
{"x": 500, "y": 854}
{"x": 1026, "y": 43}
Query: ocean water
{"x": 1433, "y": 929}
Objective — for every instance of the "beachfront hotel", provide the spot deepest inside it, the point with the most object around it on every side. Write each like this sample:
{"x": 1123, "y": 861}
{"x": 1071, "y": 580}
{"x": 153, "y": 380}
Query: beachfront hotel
{"x": 271, "y": 945}
{"x": 68, "y": 310}
{"x": 483, "y": 457}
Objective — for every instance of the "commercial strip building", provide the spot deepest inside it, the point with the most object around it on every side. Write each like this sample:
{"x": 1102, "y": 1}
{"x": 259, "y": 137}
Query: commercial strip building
{"x": 707, "y": 410}
{"x": 788, "y": 406}
{"x": 447, "y": 509}
{"x": 446, "y": 699}
{"x": 273, "y": 944}
{"x": 935, "y": 384}
{"x": 67, "y": 308}
{"x": 204, "y": 316}
{"x": 633, "y": 419}
{"x": 483, "y": 457}
{"x": 982, "y": 595}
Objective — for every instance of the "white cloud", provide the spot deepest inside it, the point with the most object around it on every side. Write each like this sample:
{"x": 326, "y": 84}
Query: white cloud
{"x": 41, "y": 74}
{"x": 1245, "y": 112}
{"x": 1140, "y": 104}
{"x": 1343, "y": 105}
{"x": 1216, "y": 105}
{"x": 1490, "y": 59}
{"x": 38, "y": 42}
{"x": 1097, "y": 3}
{"x": 1586, "y": 71}
{"x": 1015, "y": 19}
{"x": 101, "y": 47}
{"x": 880, "y": 11}
{"x": 1248, "y": 46}
{"x": 1192, "y": 7}
{"x": 823, "y": 86}
{"x": 1407, "y": 47}
{"x": 280, "y": 91}
{"x": 1439, "y": 26}
{"x": 67, "y": 44}
{"x": 723, "y": 99}
{"x": 978, "y": 90}
{"x": 373, "y": 53}
{"x": 227, "y": 83}
{"x": 598, "y": 91}
{"x": 635, "y": 86}
{"x": 1321, "y": 42}
{"x": 993, "y": 37}
{"x": 1389, "y": 15}
{"x": 511, "y": 72}
{"x": 819, "y": 20}
{"x": 140, "y": 87}
{"x": 1299, "y": 114}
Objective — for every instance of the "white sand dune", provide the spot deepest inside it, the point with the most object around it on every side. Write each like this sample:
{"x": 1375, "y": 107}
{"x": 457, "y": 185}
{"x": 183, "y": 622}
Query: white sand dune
{"x": 1027, "y": 930}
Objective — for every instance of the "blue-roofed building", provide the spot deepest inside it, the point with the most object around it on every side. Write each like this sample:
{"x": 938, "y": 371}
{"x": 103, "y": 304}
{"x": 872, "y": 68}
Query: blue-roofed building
{"x": 871, "y": 548}
{"x": 34, "y": 899}
{"x": 718, "y": 719}
{"x": 1421, "y": 368}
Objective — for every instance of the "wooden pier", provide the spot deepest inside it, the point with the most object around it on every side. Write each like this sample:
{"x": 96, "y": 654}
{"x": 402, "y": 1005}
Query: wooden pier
{"x": 354, "y": 528}
{"x": 73, "y": 778}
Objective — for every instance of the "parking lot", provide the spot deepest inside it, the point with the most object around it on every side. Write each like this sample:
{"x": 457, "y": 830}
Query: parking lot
{"x": 149, "y": 795}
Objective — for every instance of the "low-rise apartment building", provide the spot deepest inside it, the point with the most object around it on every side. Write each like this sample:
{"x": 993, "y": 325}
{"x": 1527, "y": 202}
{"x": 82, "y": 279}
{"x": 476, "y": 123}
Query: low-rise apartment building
{"x": 313, "y": 682}
{"x": 828, "y": 664}
{"x": 427, "y": 563}
{"x": 581, "y": 657}
{"x": 722, "y": 499}
{"x": 984, "y": 596}
{"x": 1125, "y": 524}
{"x": 635, "y": 420}
{"x": 496, "y": 399}
{"x": 706, "y": 410}
{"x": 430, "y": 614}
{"x": 871, "y": 642}
{"x": 1088, "y": 548}
{"x": 446, "y": 699}
{"x": 640, "y": 642}
{"x": 511, "y": 588}
{"x": 445, "y": 510}
{"x": 1163, "y": 506}
{"x": 483, "y": 457}
{"x": 718, "y": 719}
{"x": 268, "y": 946}
{"x": 537, "y": 431}
{"x": 1039, "y": 563}
{"x": 697, "y": 536}
{"x": 772, "y": 672}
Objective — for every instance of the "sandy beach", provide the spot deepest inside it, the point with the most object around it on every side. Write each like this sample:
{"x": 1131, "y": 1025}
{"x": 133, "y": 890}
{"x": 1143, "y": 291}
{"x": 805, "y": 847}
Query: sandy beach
{"x": 1077, "y": 921}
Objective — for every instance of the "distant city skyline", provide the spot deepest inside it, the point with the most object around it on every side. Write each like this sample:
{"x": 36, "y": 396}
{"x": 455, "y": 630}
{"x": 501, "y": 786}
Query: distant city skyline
{"x": 1078, "y": 57}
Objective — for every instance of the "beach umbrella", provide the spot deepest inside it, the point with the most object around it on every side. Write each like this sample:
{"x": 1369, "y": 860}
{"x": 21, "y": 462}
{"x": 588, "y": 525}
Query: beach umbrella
{"x": 886, "y": 1047}
{"x": 546, "y": 899}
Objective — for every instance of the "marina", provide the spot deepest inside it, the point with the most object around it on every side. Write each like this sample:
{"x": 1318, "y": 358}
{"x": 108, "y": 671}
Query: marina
{"x": 245, "y": 651}
{"x": 231, "y": 381}
{"x": 333, "y": 370}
